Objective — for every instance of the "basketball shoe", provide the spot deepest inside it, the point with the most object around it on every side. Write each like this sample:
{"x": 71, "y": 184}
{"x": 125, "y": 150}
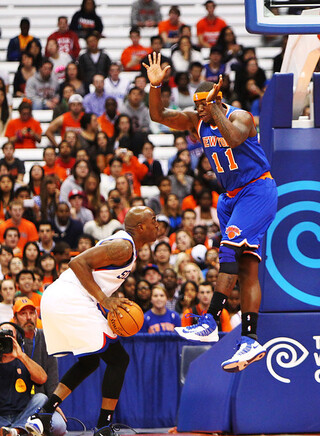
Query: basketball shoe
{"x": 8, "y": 431}
{"x": 39, "y": 423}
{"x": 249, "y": 351}
{"x": 206, "y": 330}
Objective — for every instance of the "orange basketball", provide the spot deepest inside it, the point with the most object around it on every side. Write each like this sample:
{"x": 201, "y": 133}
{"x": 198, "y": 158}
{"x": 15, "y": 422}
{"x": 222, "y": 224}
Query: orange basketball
{"x": 130, "y": 323}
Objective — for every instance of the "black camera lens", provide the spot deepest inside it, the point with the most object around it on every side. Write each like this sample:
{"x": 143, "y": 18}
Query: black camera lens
{"x": 6, "y": 344}
{"x": 117, "y": 200}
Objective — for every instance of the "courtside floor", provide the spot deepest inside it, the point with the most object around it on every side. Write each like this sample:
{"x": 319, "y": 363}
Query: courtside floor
{"x": 162, "y": 431}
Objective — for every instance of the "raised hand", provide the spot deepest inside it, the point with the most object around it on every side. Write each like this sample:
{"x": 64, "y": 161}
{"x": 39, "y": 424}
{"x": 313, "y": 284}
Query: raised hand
{"x": 214, "y": 93}
{"x": 154, "y": 70}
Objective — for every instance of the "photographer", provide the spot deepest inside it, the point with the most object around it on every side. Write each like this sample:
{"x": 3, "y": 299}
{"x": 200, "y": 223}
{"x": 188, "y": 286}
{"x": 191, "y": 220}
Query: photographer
{"x": 18, "y": 373}
{"x": 25, "y": 316}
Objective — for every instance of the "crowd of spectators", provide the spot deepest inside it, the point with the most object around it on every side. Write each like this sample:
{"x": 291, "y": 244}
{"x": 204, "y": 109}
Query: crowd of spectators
{"x": 100, "y": 156}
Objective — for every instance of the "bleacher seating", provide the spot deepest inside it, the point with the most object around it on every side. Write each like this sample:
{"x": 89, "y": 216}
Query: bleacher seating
{"x": 115, "y": 15}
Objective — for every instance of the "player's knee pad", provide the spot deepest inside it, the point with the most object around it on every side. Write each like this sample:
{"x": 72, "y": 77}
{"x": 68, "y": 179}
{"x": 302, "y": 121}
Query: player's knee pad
{"x": 85, "y": 366}
{"x": 228, "y": 258}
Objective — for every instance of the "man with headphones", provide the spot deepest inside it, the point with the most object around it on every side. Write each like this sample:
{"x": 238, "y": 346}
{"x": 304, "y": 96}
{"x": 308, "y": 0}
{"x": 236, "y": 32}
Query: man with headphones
{"x": 18, "y": 373}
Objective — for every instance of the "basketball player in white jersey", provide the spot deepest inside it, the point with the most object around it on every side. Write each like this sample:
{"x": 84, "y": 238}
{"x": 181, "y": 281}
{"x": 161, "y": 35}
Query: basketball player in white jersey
{"x": 74, "y": 320}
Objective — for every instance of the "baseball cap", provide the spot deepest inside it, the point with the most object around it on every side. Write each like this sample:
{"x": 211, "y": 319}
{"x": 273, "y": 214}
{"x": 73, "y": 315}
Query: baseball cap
{"x": 75, "y": 98}
{"x": 21, "y": 303}
{"x": 151, "y": 266}
{"x": 216, "y": 49}
{"x": 163, "y": 219}
{"x": 75, "y": 192}
{"x": 198, "y": 253}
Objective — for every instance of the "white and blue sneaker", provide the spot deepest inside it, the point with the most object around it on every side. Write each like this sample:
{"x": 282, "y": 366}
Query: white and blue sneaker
{"x": 249, "y": 351}
{"x": 206, "y": 330}
{"x": 39, "y": 423}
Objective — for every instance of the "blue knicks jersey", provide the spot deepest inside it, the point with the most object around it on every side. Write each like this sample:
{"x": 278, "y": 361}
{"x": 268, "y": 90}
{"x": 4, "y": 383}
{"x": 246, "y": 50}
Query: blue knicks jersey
{"x": 234, "y": 167}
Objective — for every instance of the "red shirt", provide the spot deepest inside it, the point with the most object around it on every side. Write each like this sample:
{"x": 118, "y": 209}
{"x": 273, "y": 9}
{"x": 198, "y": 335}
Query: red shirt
{"x": 129, "y": 52}
{"x": 68, "y": 42}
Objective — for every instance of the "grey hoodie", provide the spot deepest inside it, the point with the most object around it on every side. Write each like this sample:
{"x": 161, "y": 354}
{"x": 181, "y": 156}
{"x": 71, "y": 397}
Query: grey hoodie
{"x": 38, "y": 89}
{"x": 140, "y": 116}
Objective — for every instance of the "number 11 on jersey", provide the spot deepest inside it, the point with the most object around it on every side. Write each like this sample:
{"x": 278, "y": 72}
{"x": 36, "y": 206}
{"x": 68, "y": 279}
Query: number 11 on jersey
{"x": 232, "y": 163}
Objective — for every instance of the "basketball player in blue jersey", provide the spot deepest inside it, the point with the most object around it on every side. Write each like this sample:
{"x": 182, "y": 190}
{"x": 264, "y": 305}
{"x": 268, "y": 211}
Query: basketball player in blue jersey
{"x": 245, "y": 211}
{"x": 74, "y": 317}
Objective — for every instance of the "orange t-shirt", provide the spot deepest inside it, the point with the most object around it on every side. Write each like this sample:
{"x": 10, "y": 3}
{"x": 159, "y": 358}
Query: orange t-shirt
{"x": 27, "y": 229}
{"x": 17, "y": 124}
{"x": 171, "y": 30}
{"x": 106, "y": 125}
{"x": 133, "y": 50}
{"x": 189, "y": 202}
{"x": 69, "y": 123}
{"x": 224, "y": 318}
{"x": 210, "y": 29}
{"x": 56, "y": 169}
{"x": 24, "y": 40}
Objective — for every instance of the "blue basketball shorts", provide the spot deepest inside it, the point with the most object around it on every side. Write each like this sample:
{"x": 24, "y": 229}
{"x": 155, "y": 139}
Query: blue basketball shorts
{"x": 245, "y": 218}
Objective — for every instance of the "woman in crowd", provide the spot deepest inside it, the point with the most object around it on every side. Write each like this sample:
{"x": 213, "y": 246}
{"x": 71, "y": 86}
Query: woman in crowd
{"x": 73, "y": 77}
{"x": 36, "y": 175}
{"x": 31, "y": 255}
{"x": 117, "y": 209}
{"x": 129, "y": 287}
{"x": 25, "y": 71}
{"x": 184, "y": 242}
{"x": 102, "y": 142}
{"x": 15, "y": 266}
{"x": 154, "y": 166}
{"x": 250, "y": 70}
{"x": 125, "y": 137}
{"x": 86, "y": 20}
{"x": 87, "y": 136}
{"x": 49, "y": 268}
{"x": 103, "y": 225}
{"x": 48, "y": 198}
{"x": 144, "y": 256}
{"x": 72, "y": 139}
{"x": 5, "y": 113}
{"x": 182, "y": 96}
{"x": 124, "y": 188}
{"x": 59, "y": 59}
{"x": 187, "y": 296}
{"x": 76, "y": 180}
{"x": 181, "y": 260}
{"x": 185, "y": 55}
{"x": 143, "y": 295}
{"x": 159, "y": 318}
{"x": 172, "y": 210}
{"x": 184, "y": 155}
{"x": 93, "y": 198}
{"x": 6, "y": 194}
{"x": 34, "y": 49}
{"x": 231, "y": 51}
{"x": 192, "y": 271}
{"x": 7, "y": 293}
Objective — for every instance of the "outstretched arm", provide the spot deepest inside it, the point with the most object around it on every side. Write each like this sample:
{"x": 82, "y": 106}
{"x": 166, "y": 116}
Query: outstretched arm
{"x": 235, "y": 129}
{"x": 172, "y": 118}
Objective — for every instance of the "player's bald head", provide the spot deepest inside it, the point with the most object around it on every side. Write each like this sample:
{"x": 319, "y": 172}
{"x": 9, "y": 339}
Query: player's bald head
{"x": 137, "y": 215}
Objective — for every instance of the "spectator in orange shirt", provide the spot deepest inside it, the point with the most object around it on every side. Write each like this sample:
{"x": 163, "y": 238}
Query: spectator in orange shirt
{"x": 134, "y": 169}
{"x": 27, "y": 229}
{"x": 107, "y": 119}
{"x": 209, "y": 27}
{"x": 67, "y": 121}
{"x": 132, "y": 55}
{"x": 25, "y": 283}
{"x": 169, "y": 29}
{"x": 25, "y": 131}
{"x": 65, "y": 159}
{"x": 205, "y": 293}
{"x": 51, "y": 167}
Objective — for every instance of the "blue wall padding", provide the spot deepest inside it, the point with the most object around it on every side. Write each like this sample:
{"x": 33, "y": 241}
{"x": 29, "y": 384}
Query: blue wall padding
{"x": 316, "y": 99}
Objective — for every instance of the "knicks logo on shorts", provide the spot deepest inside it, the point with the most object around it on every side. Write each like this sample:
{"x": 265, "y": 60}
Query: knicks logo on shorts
{"x": 233, "y": 231}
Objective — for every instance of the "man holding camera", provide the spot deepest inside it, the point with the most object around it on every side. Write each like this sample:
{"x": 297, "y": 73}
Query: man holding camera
{"x": 25, "y": 316}
{"x": 18, "y": 373}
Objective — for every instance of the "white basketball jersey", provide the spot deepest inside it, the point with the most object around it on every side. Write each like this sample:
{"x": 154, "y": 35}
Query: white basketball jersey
{"x": 109, "y": 278}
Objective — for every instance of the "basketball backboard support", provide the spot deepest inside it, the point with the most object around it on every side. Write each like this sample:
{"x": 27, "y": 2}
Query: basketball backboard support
{"x": 261, "y": 19}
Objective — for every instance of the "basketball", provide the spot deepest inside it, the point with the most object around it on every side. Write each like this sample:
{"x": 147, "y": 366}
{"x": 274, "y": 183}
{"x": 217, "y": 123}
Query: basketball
{"x": 130, "y": 323}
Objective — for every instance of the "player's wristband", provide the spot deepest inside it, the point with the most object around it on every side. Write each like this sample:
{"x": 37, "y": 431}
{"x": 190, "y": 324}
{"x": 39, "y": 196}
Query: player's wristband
{"x": 211, "y": 102}
{"x": 155, "y": 86}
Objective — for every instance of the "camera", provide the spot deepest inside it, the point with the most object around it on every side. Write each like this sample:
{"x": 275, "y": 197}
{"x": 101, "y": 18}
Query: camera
{"x": 28, "y": 129}
{"x": 6, "y": 344}
{"x": 116, "y": 200}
